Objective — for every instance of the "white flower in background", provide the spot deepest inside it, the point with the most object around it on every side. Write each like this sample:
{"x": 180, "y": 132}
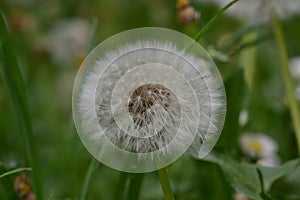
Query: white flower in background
{"x": 68, "y": 39}
{"x": 257, "y": 146}
{"x": 271, "y": 160}
{"x": 243, "y": 117}
{"x": 142, "y": 98}
{"x": 298, "y": 92}
{"x": 261, "y": 10}
{"x": 294, "y": 65}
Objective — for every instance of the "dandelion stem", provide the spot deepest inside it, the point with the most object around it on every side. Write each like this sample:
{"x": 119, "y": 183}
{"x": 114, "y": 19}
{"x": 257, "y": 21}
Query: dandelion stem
{"x": 119, "y": 192}
{"x": 213, "y": 20}
{"x": 165, "y": 184}
{"x": 17, "y": 89}
{"x": 135, "y": 186}
{"x": 92, "y": 167}
{"x": 290, "y": 88}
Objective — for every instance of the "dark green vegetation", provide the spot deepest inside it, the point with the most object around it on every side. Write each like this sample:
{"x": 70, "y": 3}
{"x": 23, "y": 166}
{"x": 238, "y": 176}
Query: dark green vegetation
{"x": 37, "y": 130}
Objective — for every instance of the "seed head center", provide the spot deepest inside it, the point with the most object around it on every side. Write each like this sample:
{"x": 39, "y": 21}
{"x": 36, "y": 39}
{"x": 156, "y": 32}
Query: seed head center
{"x": 143, "y": 99}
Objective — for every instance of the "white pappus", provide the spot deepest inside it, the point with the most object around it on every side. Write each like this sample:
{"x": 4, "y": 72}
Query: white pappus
{"x": 147, "y": 102}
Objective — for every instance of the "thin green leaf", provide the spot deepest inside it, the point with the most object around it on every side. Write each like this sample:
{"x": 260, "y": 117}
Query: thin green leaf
{"x": 93, "y": 163}
{"x": 247, "y": 59}
{"x": 87, "y": 180}
{"x": 18, "y": 92}
{"x": 119, "y": 193}
{"x": 15, "y": 171}
{"x": 213, "y": 20}
{"x": 135, "y": 186}
{"x": 289, "y": 85}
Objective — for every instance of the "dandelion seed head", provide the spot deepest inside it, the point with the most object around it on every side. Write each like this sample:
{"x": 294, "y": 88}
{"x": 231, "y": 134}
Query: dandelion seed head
{"x": 142, "y": 98}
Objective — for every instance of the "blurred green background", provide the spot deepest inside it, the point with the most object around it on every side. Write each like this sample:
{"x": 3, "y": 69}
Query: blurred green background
{"x": 49, "y": 74}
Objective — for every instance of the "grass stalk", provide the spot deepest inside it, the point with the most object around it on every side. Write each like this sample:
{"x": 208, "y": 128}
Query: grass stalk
{"x": 289, "y": 85}
{"x": 15, "y": 171}
{"x": 93, "y": 163}
{"x": 87, "y": 180}
{"x": 17, "y": 90}
{"x": 135, "y": 186}
{"x": 213, "y": 20}
{"x": 119, "y": 193}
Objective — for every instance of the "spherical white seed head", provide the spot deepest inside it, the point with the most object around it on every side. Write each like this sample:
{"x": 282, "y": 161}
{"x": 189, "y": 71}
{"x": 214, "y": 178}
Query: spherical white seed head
{"x": 144, "y": 97}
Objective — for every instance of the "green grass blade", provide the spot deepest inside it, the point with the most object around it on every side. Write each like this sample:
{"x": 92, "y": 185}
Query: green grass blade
{"x": 93, "y": 163}
{"x": 119, "y": 193}
{"x": 18, "y": 92}
{"x": 213, "y": 20}
{"x": 88, "y": 177}
{"x": 289, "y": 85}
{"x": 135, "y": 186}
{"x": 15, "y": 171}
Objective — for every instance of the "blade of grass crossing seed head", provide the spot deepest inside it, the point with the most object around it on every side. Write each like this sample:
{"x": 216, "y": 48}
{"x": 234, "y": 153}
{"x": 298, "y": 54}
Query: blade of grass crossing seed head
{"x": 93, "y": 163}
{"x": 213, "y": 20}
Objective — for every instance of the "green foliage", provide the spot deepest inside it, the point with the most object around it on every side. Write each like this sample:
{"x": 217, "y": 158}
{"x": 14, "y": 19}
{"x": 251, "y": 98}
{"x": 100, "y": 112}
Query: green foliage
{"x": 270, "y": 175}
{"x": 14, "y": 171}
{"x": 18, "y": 92}
{"x": 36, "y": 118}
{"x": 249, "y": 179}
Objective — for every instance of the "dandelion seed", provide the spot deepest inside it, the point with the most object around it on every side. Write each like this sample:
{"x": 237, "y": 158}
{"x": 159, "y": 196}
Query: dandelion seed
{"x": 141, "y": 116}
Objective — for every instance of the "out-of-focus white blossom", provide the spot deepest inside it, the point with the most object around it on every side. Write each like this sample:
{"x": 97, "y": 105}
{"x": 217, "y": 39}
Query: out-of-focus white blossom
{"x": 294, "y": 65}
{"x": 243, "y": 118}
{"x": 261, "y": 10}
{"x": 271, "y": 160}
{"x": 257, "y": 146}
{"x": 68, "y": 39}
{"x": 298, "y": 92}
